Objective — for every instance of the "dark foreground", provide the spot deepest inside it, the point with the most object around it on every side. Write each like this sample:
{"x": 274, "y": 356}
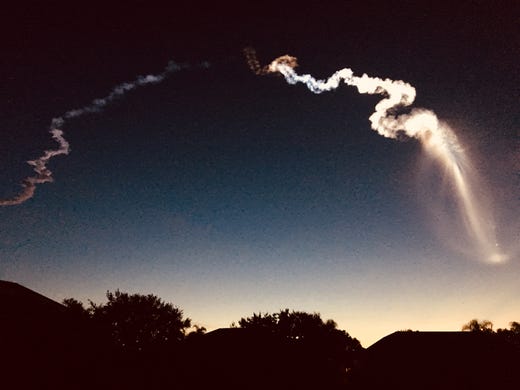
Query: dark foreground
{"x": 43, "y": 347}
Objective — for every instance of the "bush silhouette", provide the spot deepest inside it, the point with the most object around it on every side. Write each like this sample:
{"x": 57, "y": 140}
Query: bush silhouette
{"x": 137, "y": 323}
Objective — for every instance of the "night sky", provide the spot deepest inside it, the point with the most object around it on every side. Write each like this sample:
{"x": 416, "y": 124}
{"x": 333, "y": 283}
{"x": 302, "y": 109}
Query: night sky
{"x": 228, "y": 193}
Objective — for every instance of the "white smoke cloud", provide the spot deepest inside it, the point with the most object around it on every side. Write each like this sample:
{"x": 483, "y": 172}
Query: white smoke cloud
{"x": 44, "y": 174}
{"x": 438, "y": 139}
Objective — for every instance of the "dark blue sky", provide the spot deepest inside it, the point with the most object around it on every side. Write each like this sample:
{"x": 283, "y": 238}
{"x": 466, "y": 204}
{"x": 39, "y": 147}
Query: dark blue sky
{"x": 228, "y": 193}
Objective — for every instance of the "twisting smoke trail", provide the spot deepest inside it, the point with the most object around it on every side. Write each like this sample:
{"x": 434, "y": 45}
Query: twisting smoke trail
{"x": 436, "y": 137}
{"x": 254, "y": 64}
{"x": 44, "y": 174}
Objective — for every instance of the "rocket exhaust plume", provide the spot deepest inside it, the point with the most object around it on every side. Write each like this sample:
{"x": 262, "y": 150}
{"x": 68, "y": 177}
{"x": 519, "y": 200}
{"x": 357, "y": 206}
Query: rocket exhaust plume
{"x": 44, "y": 174}
{"x": 437, "y": 138}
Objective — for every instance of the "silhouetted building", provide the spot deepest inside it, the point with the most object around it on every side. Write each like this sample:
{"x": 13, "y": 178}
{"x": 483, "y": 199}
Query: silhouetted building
{"x": 40, "y": 345}
{"x": 238, "y": 358}
{"x": 19, "y": 302}
{"x": 438, "y": 360}
{"x": 44, "y": 346}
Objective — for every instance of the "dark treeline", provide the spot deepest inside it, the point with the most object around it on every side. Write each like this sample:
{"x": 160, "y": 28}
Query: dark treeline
{"x": 136, "y": 341}
{"x": 140, "y": 341}
{"x": 148, "y": 343}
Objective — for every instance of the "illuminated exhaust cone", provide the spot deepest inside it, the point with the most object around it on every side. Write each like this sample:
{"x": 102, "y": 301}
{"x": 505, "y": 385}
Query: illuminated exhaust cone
{"x": 437, "y": 138}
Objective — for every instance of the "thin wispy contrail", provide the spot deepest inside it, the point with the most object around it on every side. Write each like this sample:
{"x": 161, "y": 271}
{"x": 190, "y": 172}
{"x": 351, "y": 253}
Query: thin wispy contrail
{"x": 43, "y": 173}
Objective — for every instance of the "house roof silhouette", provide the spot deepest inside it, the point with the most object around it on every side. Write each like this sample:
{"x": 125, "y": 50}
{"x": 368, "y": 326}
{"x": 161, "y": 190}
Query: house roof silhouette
{"x": 243, "y": 358}
{"x": 19, "y": 302}
{"x": 42, "y": 345}
{"x": 438, "y": 360}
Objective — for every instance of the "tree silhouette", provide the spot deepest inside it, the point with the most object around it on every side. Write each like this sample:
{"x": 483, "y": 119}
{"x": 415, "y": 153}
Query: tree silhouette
{"x": 309, "y": 331}
{"x": 136, "y": 339}
{"x": 76, "y": 309}
{"x": 478, "y": 326}
{"x": 514, "y": 327}
{"x": 197, "y": 333}
{"x": 511, "y": 335}
{"x": 139, "y": 322}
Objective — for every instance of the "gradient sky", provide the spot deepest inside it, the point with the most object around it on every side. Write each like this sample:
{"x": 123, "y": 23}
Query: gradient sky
{"x": 227, "y": 193}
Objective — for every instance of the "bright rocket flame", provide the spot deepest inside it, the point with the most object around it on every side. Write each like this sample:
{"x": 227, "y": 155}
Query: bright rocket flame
{"x": 436, "y": 137}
